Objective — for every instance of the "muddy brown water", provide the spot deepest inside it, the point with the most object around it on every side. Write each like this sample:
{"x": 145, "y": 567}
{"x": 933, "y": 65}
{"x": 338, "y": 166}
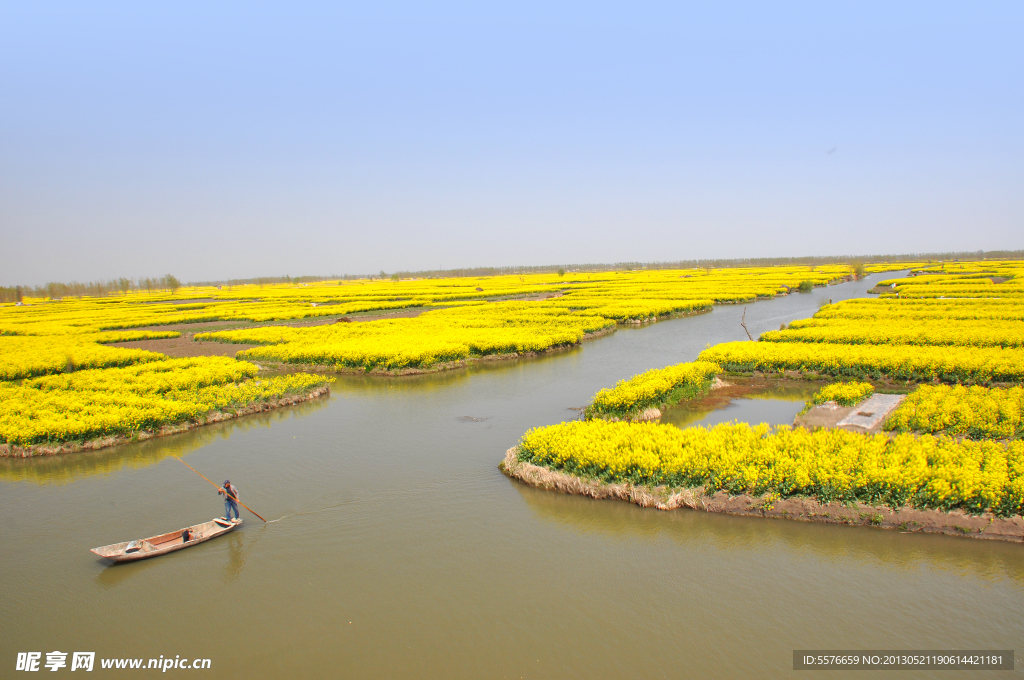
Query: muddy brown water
{"x": 776, "y": 402}
{"x": 403, "y": 552}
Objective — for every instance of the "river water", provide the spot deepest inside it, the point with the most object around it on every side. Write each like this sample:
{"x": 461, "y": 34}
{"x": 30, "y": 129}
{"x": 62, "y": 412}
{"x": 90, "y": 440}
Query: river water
{"x": 403, "y": 552}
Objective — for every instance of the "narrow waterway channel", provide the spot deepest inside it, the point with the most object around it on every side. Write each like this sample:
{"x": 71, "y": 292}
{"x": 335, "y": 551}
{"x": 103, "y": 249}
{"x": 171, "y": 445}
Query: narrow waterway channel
{"x": 403, "y": 552}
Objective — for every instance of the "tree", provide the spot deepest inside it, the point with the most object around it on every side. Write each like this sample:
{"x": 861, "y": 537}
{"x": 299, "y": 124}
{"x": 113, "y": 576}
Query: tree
{"x": 56, "y": 290}
{"x": 561, "y": 272}
{"x": 171, "y": 282}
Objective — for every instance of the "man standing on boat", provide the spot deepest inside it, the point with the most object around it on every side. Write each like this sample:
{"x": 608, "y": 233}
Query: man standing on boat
{"x": 231, "y": 498}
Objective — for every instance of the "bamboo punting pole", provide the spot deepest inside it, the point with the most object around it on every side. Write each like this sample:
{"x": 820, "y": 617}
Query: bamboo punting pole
{"x": 220, "y": 489}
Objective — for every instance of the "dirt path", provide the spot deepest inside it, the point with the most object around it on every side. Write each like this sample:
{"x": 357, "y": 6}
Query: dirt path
{"x": 184, "y": 347}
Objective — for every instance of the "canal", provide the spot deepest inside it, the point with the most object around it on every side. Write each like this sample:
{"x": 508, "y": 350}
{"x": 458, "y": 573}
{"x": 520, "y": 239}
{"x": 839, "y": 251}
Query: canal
{"x": 401, "y": 551}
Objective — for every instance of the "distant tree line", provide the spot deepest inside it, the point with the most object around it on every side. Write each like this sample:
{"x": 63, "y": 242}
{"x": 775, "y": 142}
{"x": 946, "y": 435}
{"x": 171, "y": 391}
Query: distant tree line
{"x": 265, "y": 280}
{"x": 122, "y": 286}
{"x": 809, "y": 261}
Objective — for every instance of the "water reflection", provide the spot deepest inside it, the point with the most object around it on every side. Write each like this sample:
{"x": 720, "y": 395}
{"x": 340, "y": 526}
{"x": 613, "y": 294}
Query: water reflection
{"x": 238, "y": 551}
{"x": 369, "y": 384}
{"x": 66, "y": 468}
{"x": 112, "y": 575}
{"x": 749, "y": 400}
{"x": 987, "y": 560}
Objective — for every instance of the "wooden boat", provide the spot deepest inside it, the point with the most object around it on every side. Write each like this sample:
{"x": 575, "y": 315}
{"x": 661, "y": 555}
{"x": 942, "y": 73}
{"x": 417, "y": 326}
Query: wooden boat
{"x": 165, "y": 543}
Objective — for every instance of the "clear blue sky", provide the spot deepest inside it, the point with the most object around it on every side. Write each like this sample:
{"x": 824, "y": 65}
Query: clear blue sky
{"x": 216, "y": 140}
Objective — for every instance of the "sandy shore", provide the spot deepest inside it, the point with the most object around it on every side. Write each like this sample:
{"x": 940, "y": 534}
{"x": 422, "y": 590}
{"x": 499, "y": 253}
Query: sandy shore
{"x": 54, "y": 448}
{"x": 955, "y": 523}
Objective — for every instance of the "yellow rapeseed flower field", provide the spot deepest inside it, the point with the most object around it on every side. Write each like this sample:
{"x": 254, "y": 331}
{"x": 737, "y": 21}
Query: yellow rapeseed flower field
{"x": 975, "y": 412}
{"x": 549, "y": 312}
{"x": 934, "y": 326}
{"x": 435, "y": 336}
{"x": 92, "y": 403}
{"x": 830, "y": 465}
{"x": 952, "y": 322}
{"x": 903, "y": 362}
{"x": 652, "y": 388}
{"x": 27, "y": 356}
{"x": 844, "y": 393}
{"x": 55, "y": 353}
{"x": 477, "y": 316}
{"x": 964, "y": 333}
{"x": 915, "y": 311}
